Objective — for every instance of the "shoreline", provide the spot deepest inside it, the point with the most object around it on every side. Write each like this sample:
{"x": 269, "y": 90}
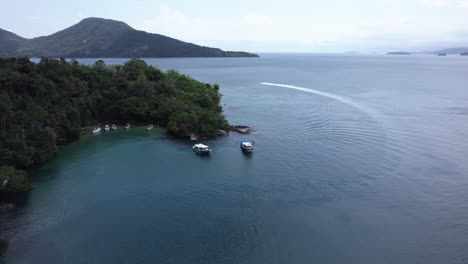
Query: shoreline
{"x": 8, "y": 199}
{"x": 241, "y": 129}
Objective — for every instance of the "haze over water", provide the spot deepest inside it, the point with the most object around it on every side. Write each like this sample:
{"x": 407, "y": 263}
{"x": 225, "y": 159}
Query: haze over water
{"x": 358, "y": 159}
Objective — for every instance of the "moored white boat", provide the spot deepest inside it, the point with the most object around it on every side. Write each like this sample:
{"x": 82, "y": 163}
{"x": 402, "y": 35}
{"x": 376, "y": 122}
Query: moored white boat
{"x": 150, "y": 126}
{"x": 247, "y": 145}
{"x": 127, "y": 126}
{"x": 114, "y": 127}
{"x": 107, "y": 128}
{"x": 96, "y": 130}
{"x": 201, "y": 149}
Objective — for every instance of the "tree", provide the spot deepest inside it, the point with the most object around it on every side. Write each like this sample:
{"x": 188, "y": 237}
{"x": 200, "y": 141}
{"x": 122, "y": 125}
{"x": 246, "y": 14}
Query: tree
{"x": 5, "y": 109}
{"x": 134, "y": 67}
{"x": 13, "y": 181}
{"x": 45, "y": 105}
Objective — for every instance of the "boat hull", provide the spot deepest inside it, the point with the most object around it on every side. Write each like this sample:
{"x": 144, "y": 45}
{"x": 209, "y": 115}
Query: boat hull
{"x": 201, "y": 152}
{"x": 246, "y": 150}
{"x": 246, "y": 146}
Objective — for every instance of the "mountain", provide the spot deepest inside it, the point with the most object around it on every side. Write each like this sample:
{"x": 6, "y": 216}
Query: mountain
{"x": 450, "y": 51}
{"x": 105, "y": 38}
{"x": 10, "y": 43}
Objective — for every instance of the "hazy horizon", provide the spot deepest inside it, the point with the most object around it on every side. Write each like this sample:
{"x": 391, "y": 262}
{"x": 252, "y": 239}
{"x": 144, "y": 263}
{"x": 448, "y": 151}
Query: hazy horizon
{"x": 301, "y": 26}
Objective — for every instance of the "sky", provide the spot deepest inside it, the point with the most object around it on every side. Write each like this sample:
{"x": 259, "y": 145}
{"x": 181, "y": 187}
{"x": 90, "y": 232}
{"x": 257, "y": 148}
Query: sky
{"x": 263, "y": 25}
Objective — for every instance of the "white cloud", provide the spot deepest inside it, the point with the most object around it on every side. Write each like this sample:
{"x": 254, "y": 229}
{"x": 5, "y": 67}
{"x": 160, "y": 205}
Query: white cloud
{"x": 177, "y": 24}
{"x": 263, "y": 32}
{"x": 436, "y": 3}
{"x": 463, "y": 3}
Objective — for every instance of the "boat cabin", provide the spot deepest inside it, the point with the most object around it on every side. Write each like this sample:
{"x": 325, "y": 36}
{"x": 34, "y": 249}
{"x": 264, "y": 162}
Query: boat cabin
{"x": 201, "y": 148}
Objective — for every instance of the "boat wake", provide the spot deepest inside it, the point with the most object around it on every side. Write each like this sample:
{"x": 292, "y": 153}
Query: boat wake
{"x": 329, "y": 95}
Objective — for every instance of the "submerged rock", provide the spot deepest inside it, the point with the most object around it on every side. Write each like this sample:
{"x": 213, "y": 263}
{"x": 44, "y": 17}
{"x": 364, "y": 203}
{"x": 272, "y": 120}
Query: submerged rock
{"x": 3, "y": 248}
{"x": 194, "y": 137}
{"x": 6, "y": 207}
{"x": 221, "y": 133}
{"x": 242, "y": 129}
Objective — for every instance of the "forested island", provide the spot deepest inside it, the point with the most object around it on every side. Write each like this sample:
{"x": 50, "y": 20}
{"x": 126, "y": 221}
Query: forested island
{"x": 45, "y": 105}
{"x": 105, "y": 38}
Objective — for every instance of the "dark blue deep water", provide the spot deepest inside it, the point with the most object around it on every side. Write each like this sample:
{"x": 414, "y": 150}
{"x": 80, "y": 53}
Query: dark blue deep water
{"x": 366, "y": 163}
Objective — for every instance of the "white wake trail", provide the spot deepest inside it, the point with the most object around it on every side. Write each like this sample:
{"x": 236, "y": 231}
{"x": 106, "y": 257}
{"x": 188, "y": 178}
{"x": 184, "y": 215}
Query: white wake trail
{"x": 309, "y": 90}
{"x": 329, "y": 95}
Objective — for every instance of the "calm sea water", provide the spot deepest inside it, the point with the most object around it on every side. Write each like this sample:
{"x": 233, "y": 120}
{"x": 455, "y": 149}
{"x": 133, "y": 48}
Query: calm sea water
{"x": 365, "y": 163}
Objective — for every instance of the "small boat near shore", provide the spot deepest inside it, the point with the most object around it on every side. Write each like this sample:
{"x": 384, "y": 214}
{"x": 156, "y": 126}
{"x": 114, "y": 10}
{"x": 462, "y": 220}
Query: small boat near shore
{"x": 201, "y": 149}
{"x": 247, "y": 145}
{"x": 107, "y": 128}
{"x": 96, "y": 130}
{"x": 114, "y": 127}
{"x": 127, "y": 126}
{"x": 150, "y": 126}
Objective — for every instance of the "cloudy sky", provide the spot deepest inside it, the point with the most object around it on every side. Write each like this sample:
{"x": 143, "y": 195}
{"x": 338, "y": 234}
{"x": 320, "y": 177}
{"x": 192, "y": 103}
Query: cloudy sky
{"x": 263, "y": 25}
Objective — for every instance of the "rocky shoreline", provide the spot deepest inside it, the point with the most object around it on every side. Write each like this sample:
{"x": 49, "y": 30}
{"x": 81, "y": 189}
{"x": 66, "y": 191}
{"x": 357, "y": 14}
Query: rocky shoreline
{"x": 224, "y": 132}
{"x": 241, "y": 129}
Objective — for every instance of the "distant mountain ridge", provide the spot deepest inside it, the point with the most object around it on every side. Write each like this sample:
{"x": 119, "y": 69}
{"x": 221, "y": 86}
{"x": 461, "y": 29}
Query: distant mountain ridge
{"x": 399, "y": 53}
{"x": 458, "y": 50}
{"x": 105, "y": 38}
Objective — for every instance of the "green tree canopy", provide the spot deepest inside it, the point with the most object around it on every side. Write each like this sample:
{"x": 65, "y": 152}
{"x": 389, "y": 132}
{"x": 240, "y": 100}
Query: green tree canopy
{"x": 46, "y": 104}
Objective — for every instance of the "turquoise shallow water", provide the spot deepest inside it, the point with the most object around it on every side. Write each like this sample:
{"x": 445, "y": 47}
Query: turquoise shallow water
{"x": 371, "y": 169}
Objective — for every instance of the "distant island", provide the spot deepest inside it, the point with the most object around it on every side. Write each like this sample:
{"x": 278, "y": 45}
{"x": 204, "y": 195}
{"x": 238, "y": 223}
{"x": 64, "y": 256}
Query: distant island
{"x": 449, "y": 51}
{"x": 464, "y": 54}
{"x": 45, "y": 105}
{"x": 105, "y": 38}
{"x": 398, "y": 53}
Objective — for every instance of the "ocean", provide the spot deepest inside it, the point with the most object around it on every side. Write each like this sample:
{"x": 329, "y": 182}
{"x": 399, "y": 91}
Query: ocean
{"x": 358, "y": 159}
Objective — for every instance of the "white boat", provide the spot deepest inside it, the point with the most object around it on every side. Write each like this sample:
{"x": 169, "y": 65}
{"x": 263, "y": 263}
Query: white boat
{"x": 96, "y": 130}
{"x": 107, "y": 128}
{"x": 247, "y": 145}
{"x": 127, "y": 126}
{"x": 114, "y": 127}
{"x": 149, "y": 127}
{"x": 201, "y": 149}
{"x": 5, "y": 182}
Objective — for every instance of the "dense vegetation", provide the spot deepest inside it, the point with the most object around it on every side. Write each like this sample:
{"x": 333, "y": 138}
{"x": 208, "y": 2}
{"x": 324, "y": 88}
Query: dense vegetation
{"x": 105, "y": 38}
{"x": 46, "y": 104}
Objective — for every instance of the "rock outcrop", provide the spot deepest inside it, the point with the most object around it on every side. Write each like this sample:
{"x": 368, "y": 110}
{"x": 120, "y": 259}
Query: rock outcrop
{"x": 242, "y": 129}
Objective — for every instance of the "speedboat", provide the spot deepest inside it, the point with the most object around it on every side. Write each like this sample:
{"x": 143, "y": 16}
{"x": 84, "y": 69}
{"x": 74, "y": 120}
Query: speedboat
{"x": 114, "y": 127}
{"x": 96, "y": 130}
{"x": 149, "y": 127}
{"x": 127, "y": 126}
{"x": 107, "y": 128}
{"x": 201, "y": 149}
{"x": 247, "y": 145}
